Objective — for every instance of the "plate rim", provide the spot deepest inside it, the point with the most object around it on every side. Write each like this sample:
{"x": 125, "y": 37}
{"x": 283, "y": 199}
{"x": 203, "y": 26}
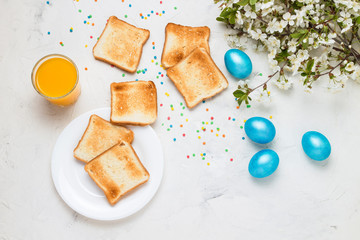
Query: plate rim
{"x": 70, "y": 204}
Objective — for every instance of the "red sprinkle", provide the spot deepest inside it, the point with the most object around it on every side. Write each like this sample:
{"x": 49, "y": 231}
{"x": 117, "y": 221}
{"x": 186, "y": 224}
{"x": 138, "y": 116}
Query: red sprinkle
{"x": 168, "y": 118}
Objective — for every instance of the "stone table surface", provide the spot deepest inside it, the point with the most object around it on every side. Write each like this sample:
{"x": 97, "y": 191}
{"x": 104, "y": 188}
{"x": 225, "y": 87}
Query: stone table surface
{"x": 206, "y": 191}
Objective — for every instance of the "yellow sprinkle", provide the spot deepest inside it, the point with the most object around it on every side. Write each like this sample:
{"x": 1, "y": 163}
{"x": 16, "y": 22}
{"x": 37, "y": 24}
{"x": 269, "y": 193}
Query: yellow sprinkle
{"x": 152, "y": 61}
{"x": 160, "y": 14}
{"x": 201, "y": 154}
{"x": 244, "y": 120}
{"x": 268, "y": 92}
{"x": 85, "y": 45}
{"x": 217, "y": 135}
{"x": 172, "y": 109}
{"x": 187, "y": 120}
{"x": 199, "y": 137}
{"x": 270, "y": 117}
{"x": 206, "y": 123}
{"x": 208, "y": 164}
{"x": 145, "y": 18}
{"x": 161, "y": 65}
{"x": 167, "y": 94}
{"x": 87, "y": 23}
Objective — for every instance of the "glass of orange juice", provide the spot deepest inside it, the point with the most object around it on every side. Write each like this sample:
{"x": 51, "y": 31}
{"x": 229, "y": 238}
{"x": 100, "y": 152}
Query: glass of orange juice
{"x": 56, "y": 78}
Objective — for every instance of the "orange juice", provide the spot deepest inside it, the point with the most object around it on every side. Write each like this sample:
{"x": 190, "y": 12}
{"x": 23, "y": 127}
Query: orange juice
{"x": 56, "y": 78}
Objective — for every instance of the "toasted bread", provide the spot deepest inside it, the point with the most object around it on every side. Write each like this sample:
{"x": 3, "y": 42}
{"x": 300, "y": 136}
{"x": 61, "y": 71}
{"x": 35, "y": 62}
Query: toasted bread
{"x": 133, "y": 103}
{"x": 120, "y": 44}
{"x": 182, "y": 40}
{"x": 117, "y": 171}
{"x": 197, "y": 77}
{"x": 99, "y": 136}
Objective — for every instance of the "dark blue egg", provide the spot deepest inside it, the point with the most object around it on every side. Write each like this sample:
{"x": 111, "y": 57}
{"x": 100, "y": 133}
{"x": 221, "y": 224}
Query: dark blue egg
{"x": 263, "y": 163}
{"x": 316, "y": 145}
{"x": 238, "y": 63}
{"x": 260, "y": 130}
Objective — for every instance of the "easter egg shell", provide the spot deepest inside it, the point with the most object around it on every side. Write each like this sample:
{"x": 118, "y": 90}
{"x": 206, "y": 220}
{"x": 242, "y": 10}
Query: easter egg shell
{"x": 316, "y": 145}
{"x": 263, "y": 163}
{"x": 260, "y": 130}
{"x": 238, "y": 63}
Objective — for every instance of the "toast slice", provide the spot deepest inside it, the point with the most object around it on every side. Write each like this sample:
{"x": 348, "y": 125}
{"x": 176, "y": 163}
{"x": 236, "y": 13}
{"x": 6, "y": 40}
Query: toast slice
{"x": 197, "y": 77}
{"x": 133, "y": 103}
{"x": 182, "y": 40}
{"x": 99, "y": 136}
{"x": 117, "y": 171}
{"x": 120, "y": 44}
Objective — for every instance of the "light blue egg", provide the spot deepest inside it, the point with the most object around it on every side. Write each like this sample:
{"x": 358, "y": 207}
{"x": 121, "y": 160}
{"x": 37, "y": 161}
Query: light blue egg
{"x": 263, "y": 163}
{"x": 316, "y": 145}
{"x": 260, "y": 130}
{"x": 238, "y": 63}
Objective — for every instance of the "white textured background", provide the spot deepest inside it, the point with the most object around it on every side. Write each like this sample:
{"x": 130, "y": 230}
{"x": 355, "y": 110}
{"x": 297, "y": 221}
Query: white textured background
{"x": 302, "y": 200}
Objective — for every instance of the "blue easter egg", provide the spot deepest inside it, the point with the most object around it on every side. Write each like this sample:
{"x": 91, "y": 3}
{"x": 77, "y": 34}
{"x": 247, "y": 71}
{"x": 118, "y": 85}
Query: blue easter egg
{"x": 260, "y": 130}
{"x": 238, "y": 63}
{"x": 263, "y": 163}
{"x": 316, "y": 145}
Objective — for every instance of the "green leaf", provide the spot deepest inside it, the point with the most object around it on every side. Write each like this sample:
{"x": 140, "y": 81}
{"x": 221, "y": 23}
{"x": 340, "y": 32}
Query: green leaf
{"x": 299, "y": 33}
{"x": 309, "y": 66}
{"x": 226, "y": 12}
{"x": 221, "y": 19}
{"x": 232, "y": 18}
{"x": 357, "y": 20}
{"x": 238, "y": 93}
{"x": 242, "y": 3}
{"x": 252, "y": 2}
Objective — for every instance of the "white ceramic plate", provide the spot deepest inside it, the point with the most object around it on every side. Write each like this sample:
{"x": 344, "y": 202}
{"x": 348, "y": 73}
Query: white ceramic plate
{"x": 81, "y": 193}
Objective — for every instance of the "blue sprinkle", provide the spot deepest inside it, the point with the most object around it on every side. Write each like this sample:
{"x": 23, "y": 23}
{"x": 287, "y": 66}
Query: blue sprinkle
{"x": 143, "y": 72}
{"x": 85, "y": 22}
{"x": 136, "y": 79}
{"x": 243, "y": 138}
{"x": 129, "y": 5}
{"x": 153, "y": 47}
{"x": 145, "y": 69}
{"x": 159, "y": 73}
{"x": 170, "y": 125}
{"x": 235, "y": 99}
{"x": 163, "y": 12}
{"x": 47, "y": 2}
{"x": 174, "y": 139}
{"x": 203, "y": 101}
{"x": 142, "y": 17}
{"x": 155, "y": 57}
{"x": 233, "y": 119}
{"x": 48, "y": 33}
{"x": 152, "y": 11}
{"x": 204, "y": 154}
{"x": 161, "y": 83}
{"x": 148, "y": 15}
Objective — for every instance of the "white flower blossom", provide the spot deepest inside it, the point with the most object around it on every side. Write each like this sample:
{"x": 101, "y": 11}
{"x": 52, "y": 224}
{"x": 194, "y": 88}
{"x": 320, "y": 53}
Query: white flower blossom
{"x": 289, "y": 18}
{"x": 350, "y": 67}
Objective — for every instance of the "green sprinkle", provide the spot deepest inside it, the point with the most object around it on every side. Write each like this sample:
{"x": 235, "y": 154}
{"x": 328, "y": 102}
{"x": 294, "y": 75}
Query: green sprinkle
{"x": 241, "y": 127}
{"x": 193, "y": 154}
{"x": 203, "y": 158}
{"x": 248, "y": 106}
{"x": 175, "y": 8}
{"x": 203, "y": 123}
{"x": 156, "y": 63}
{"x": 181, "y": 104}
{"x": 125, "y": 16}
{"x": 157, "y": 76}
{"x": 218, "y": 129}
{"x": 181, "y": 114}
{"x": 123, "y": 74}
{"x": 162, "y": 124}
{"x": 171, "y": 105}
{"x": 80, "y": 10}
{"x": 197, "y": 131}
{"x": 226, "y": 150}
{"x": 260, "y": 74}
{"x": 211, "y": 123}
{"x": 168, "y": 129}
{"x": 184, "y": 107}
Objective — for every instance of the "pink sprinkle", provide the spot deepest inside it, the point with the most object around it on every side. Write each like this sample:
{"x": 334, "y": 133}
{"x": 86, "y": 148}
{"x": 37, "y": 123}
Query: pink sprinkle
{"x": 160, "y": 2}
{"x": 91, "y": 37}
{"x": 168, "y": 118}
{"x": 183, "y": 134}
{"x": 161, "y": 104}
{"x": 157, "y": 13}
{"x": 229, "y": 118}
{"x": 231, "y": 159}
{"x": 188, "y": 156}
